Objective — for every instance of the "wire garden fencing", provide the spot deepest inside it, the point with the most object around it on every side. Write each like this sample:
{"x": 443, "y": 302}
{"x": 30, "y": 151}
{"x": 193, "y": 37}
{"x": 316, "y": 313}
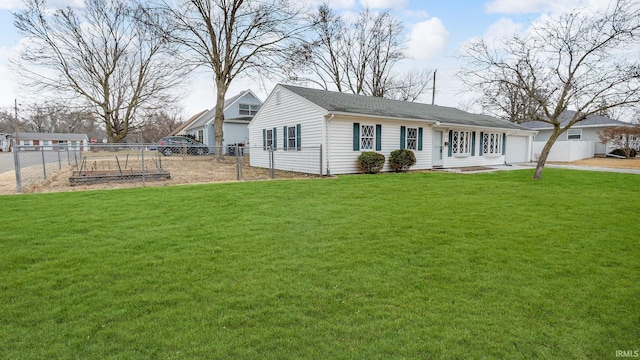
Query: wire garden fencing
{"x": 73, "y": 165}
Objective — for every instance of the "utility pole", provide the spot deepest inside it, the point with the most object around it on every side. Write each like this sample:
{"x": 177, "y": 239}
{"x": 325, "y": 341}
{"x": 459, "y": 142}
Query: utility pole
{"x": 15, "y": 107}
{"x": 433, "y": 92}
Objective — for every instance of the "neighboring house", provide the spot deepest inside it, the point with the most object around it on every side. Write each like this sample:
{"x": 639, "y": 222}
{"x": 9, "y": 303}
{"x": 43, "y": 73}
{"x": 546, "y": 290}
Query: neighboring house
{"x": 579, "y": 142}
{"x": 296, "y": 120}
{"x": 52, "y": 141}
{"x": 238, "y": 112}
{"x": 4, "y": 142}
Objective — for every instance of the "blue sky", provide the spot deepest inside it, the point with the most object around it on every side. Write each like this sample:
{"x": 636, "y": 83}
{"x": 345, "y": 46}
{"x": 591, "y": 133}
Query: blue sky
{"x": 435, "y": 30}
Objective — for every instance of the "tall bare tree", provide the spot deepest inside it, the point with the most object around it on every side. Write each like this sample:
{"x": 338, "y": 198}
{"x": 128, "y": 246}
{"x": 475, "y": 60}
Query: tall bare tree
{"x": 233, "y": 38}
{"x": 578, "y": 61}
{"x": 102, "y": 56}
{"x": 360, "y": 57}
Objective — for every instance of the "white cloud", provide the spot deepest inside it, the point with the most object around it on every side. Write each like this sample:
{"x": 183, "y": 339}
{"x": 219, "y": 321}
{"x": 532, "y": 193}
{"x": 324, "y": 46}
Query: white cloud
{"x": 517, "y": 6}
{"x": 18, "y": 4}
{"x": 384, "y": 4}
{"x": 502, "y": 28}
{"x": 428, "y": 39}
{"x": 548, "y": 6}
{"x": 334, "y": 4}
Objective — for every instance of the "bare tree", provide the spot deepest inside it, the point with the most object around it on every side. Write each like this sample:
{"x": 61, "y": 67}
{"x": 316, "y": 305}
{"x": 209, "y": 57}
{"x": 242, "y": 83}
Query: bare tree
{"x": 577, "y": 61}
{"x": 103, "y": 57}
{"x": 626, "y": 138}
{"x": 156, "y": 125}
{"x": 360, "y": 57}
{"x": 233, "y": 38}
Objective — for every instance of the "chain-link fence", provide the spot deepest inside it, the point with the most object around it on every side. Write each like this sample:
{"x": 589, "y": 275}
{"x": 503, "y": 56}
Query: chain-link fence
{"x": 140, "y": 164}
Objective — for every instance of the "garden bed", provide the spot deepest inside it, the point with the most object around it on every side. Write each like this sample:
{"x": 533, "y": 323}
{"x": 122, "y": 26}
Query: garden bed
{"x": 107, "y": 176}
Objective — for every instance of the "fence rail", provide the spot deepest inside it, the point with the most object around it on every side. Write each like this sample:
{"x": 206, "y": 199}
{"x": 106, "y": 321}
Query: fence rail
{"x": 142, "y": 163}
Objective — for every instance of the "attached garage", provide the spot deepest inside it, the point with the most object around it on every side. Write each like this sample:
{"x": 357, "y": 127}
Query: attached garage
{"x": 517, "y": 150}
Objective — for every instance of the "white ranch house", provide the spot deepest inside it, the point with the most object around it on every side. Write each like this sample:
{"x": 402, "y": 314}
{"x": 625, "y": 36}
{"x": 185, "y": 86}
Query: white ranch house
{"x": 324, "y": 132}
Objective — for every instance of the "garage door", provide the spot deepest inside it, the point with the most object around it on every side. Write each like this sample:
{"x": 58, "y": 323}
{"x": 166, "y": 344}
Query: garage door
{"x": 517, "y": 149}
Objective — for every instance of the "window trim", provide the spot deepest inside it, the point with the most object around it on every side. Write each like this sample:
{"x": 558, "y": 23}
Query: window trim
{"x": 579, "y": 134}
{"x": 371, "y": 138}
{"x": 455, "y": 139}
{"x": 416, "y": 139}
{"x": 489, "y": 151}
{"x": 251, "y": 110}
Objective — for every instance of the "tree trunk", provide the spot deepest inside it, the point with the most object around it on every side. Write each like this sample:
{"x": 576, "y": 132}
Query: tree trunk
{"x": 542, "y": 160}
{"x": 218, "y": 135}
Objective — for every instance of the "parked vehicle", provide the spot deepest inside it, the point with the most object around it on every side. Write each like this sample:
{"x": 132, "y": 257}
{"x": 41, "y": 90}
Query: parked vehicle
{"x": 170, "y": 145}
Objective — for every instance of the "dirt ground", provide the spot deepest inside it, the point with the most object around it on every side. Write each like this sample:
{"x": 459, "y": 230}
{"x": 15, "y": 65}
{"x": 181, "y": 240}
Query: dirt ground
{"x": 195, "y": 170}
{"x": 205, "y": 170}
{"x": 606, "y": 163}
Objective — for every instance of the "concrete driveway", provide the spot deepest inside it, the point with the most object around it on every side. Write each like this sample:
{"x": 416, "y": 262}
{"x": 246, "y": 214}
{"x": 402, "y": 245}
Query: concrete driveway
{"x": 6, "y": 162}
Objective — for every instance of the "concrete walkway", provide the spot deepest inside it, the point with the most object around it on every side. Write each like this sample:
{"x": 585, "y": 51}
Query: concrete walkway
{"x": 524, "y": 166}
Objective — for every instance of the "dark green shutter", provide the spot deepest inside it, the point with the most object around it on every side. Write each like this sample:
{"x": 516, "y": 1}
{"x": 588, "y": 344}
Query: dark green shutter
{"x": 274, "y": 140}
{"x": 298, "y": 141}
{"x": 450, "y": 147}
{"x": 356, "y": 136}
{"x": 473, "y": 143}
{"x": 378, "y": 137}
{"x": 481, "y": 151}
{"x": 264, "y": 139}
{"x": 403, "y": 137}
{"x": 419, "y": 139}
{"x": 504, "y": 144}
{"x": 286, "y": 137}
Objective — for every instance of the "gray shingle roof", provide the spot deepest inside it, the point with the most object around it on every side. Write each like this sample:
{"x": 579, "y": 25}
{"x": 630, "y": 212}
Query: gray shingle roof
{"x": 51, "y": 136}
{"x": 367, "y": 105}
{"x": 592, "y": 120}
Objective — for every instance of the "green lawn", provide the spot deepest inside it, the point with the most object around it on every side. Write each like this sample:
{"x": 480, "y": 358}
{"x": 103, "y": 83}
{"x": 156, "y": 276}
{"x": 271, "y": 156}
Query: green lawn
{"x": 420, "y": 265}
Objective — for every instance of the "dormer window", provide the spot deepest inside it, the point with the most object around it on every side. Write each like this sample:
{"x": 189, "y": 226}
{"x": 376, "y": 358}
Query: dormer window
{"x": 248, "y": 109}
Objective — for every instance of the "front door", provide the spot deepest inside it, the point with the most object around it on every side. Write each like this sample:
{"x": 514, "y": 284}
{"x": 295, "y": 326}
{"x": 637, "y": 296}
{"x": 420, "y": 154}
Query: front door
{"x": 437, "y": 149}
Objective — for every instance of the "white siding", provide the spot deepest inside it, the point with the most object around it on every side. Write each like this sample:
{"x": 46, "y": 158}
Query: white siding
{"x": 291, "y": 110}
{"x": 343, "y": 159}
{"x": 518, "y": 149}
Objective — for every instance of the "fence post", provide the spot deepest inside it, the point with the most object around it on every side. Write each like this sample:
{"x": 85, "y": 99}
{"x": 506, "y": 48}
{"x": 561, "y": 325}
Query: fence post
{"x": 59, "y": 159}
{"x": 272, "y": 165}
{"x": 238, "y": 163}
{"x": 16, "y": 164}
{"x": 320, "y": 173}
{"x": 143, "y": 173}
{"x": 44, "y": 164}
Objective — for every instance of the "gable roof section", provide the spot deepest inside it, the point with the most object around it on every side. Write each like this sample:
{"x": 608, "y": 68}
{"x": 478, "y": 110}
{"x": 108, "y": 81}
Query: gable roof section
{"x": 337, "y": 102}
{"x": 51, "y": 136}
{"x": 202, "y": 118}
{"x": 187, "y": 123}
{"x": 590, "y": 121}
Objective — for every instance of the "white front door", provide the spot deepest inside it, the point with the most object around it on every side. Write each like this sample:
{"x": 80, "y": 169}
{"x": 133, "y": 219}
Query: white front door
{"x": 437, "y": 149}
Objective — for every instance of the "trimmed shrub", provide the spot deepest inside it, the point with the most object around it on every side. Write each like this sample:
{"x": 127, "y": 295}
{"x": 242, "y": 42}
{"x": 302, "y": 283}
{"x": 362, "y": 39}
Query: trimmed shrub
{"x": 620, "y": 152}
{"x": 371, "y": 162}
{"x": 402, "y": 160}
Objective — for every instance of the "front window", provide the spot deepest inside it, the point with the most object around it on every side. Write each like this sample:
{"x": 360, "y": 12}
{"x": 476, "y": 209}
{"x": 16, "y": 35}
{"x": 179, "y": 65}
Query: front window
{"x": 291, "y": 137}
{"x": 492, "y": 143}
{"x": 461, "y": 142}
{"x": 367, "y": 137}
{"x": 248, "y": 109}
{"x": 200, "y": 135}
{"x": 574, "y": 134}
{"x": 269, "y": 139}
{"x": 412, "y": 138}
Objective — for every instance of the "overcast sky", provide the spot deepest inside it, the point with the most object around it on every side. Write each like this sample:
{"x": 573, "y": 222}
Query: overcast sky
{"x": 435, "y": 31}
